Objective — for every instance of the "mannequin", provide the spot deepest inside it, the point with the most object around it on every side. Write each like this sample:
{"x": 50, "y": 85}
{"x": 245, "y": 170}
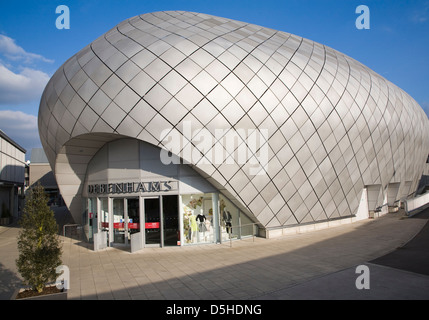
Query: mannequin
{"x": 194, "y": 227}
{"x": 187, "y": 227}
{"x": 201, "y": 218}
{"x": 208, "y": 224}
{"x": 227, "y": 218}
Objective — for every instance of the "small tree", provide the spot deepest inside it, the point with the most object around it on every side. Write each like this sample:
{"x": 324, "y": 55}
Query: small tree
{"x": 38, "y": 242}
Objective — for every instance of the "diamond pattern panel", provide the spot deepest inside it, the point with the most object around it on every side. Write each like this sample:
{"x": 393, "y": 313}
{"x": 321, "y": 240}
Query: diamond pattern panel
{"x": 333, "y": 125}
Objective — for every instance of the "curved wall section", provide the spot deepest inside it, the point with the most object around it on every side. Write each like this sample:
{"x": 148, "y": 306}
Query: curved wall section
{"x": 137, "y": 162}
{"x": 324, "y": 126}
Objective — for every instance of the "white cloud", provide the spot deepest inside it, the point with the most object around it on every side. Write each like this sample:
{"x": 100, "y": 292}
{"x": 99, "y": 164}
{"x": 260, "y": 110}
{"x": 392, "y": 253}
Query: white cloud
{"x": 12, "y": 51}
{"x": 20, "y": 82}
{"x": 26, "y": 86}
{"x": 21, "y": 127}
{"x": 421, "y": 15}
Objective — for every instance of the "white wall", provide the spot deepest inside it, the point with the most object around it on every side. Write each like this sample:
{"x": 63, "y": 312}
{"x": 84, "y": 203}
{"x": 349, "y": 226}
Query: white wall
{"x": 130, "y": 160}
{"x": 12, "y": 162}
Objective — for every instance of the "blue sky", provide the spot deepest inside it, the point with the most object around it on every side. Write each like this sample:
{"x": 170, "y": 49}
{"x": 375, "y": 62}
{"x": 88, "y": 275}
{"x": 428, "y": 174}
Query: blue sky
{"x": 31, "y": 48}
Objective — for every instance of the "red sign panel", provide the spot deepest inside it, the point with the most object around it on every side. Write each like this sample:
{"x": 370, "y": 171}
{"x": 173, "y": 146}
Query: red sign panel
{"x": 152, "y": 225}
{"x": 133, "y": 225}
{"x": 121, "y": 225}
{"x": 118, "y": 225}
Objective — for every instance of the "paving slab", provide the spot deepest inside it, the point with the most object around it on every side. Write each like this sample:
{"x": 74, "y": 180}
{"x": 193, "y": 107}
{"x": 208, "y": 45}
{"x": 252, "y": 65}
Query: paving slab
{"x": 385, "y": 283}
{"x": 290, "y": 267}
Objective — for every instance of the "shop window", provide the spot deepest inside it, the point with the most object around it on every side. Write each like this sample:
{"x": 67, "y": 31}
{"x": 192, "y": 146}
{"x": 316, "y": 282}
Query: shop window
{"x": 198, "y": 222}
{"x": 234, "y": 223}
{"x": 229, "y": 217}
{"x": 247, "y": 227}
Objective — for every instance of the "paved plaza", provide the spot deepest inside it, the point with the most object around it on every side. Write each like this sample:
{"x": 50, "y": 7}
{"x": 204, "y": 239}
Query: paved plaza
{"x": 314, "y": 265}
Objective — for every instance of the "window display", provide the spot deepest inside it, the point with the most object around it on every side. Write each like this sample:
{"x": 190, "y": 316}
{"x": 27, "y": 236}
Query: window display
{"x": 234, "y": 223}
{"x": 169, "y": 220}
{"x": 229, "y": 219}
{"x": 248, "y": 228}
{"x": 197, "y": 219}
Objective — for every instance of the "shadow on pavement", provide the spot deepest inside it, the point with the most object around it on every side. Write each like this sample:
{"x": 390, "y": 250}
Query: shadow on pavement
{"x": 414, "y": 255}
{"x": 8, "y": 283}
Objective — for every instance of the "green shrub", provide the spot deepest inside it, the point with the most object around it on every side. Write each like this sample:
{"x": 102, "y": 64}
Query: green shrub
{"x": 38, "y": 242}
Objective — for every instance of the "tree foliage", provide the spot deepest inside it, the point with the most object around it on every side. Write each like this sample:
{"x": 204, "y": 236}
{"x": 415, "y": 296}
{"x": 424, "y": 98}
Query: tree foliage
{"x": 38, "y": 242}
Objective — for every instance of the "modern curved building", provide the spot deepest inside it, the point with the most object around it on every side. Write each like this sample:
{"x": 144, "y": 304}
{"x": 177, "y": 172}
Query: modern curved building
{"x": 176, "y": 128}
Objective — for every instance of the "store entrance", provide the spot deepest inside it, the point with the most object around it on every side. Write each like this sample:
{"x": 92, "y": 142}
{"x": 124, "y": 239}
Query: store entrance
{"x": 126, "y": 219}
{"x": 161, "y": 221}
{"x": 152, "y": 221}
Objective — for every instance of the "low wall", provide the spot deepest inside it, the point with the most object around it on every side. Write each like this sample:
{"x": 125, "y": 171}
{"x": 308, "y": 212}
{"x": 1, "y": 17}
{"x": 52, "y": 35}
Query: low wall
{"x": 273, "y": 233}
{"x": 416, "y": 203}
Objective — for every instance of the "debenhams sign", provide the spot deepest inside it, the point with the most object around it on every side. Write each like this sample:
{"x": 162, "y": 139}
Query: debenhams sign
{"x": 132, "y": 187}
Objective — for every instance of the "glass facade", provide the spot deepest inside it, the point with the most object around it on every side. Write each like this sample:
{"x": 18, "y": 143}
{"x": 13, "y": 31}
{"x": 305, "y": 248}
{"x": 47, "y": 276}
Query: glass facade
{"x": 234, "y": 223}
{"x": 169, "y": 220}
{"x": 133, "y": 198}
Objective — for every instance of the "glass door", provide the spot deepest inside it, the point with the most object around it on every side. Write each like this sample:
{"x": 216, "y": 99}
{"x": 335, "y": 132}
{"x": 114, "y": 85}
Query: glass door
{"x": 170, "y": 210}
{"x": 92, "y": 215}
{"x": 152, "y": 221}
{"x": 133, "y": 220}
{"x": 104, "y": 219}
{"x": 118, "y": 221}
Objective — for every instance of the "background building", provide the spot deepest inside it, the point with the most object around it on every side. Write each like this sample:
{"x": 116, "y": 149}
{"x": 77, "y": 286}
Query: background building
{"x": 323, "y": 137}
{"x": 12, "y": 168}
{"x": 39, "y": 171}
